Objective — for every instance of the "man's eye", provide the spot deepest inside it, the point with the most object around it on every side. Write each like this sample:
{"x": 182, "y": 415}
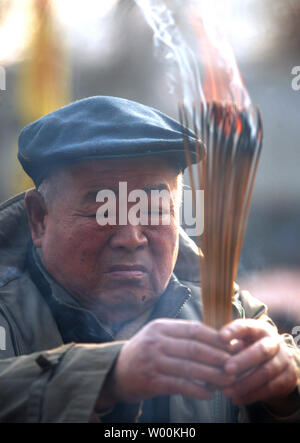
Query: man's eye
{"x": 160, "y": 212}
{"x": 104, "y": 215}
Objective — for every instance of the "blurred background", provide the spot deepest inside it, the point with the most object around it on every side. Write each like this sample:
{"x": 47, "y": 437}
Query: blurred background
{"x": 55, "y": 51}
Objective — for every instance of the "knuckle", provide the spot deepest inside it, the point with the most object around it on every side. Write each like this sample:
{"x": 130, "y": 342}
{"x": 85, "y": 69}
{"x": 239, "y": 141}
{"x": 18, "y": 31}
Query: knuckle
{"x": 213, "y": 375}
{"x": 157, "y": 326}
{"x": 293, "y": 374}
{"x": 224, "y": 380}
{"x": 155, "y": 365}
{"x": 194, "y": 330}
{"x": 264, "y": 349}
{"x": 150, "y": 346}
{"x": 182, "y": 385}
{"x": 186, "y": 369}
{"x": 281, "y": 384}
{"x": 219, "y": 358}
{"x": 150, "y": 341}
{"x": 238, "y": 322}
{"x": 265, "y": 373}
{"x": 154, "y": 383}
{"x": 246, "y": 323}
{"x": 175, "y": 388}
{"x": 193, "y": 349}
{"x": 289, "y": 354}
{"x": 278, "y": 364}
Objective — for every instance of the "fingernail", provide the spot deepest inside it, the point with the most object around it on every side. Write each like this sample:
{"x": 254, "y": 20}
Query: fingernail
{"x": 225, "y": 334}
{"x": 235, "y": 346}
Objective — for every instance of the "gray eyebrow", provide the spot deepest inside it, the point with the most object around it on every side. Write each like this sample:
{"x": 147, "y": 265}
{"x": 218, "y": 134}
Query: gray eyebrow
{"x": 91, "y": 195}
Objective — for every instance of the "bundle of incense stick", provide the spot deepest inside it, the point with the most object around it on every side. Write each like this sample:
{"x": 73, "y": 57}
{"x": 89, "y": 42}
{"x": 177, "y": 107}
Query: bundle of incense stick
{"x": 228, "y": 142}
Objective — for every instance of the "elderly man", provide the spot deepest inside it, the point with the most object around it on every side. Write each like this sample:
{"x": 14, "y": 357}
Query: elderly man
{"x": 102, "y": 321}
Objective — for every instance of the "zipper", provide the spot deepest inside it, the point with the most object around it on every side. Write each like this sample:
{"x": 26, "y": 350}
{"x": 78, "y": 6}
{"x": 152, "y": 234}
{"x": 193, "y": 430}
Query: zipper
{"x": 187, "y": 297}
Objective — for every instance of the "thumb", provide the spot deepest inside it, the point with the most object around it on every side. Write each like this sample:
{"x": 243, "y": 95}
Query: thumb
{"x": 246, "y": 330}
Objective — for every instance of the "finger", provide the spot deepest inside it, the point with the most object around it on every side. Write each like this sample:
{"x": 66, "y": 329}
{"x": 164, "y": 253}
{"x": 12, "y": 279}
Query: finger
{"x": 261, "y": 376}
{"x": 280, "y": 386}
{"x": 189, "y": 330}
{"x": 195, "y": 351}
{"x": 171, "y": 385}
{"x": 248, "y": 329}
{"x": 253, "y": 355}
{"x": 192, "y": 370}
{"x": 236, "y": 345}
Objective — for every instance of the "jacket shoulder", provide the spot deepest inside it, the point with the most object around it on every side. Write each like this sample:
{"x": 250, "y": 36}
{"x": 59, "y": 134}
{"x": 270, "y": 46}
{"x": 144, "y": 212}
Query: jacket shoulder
{"x": 244, "y": 304}
{"x": 27, "y": 316}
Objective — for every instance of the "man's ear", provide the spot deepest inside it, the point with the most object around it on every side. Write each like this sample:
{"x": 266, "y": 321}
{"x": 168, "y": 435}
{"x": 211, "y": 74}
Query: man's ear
{"x": 36, "y": 212}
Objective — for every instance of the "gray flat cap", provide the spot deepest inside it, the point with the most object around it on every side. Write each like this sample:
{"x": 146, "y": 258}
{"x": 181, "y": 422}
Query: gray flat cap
{"x": 99, "y": 127}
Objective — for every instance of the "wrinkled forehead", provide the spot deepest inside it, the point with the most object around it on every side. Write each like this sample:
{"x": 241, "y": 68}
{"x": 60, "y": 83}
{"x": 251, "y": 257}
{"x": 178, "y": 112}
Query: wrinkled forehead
{"x": 82, "y": 181}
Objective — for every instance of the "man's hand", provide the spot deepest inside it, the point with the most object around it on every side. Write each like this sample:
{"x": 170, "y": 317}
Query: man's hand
{"x": 170, "y": 357}
{"x": 265, "y": 370}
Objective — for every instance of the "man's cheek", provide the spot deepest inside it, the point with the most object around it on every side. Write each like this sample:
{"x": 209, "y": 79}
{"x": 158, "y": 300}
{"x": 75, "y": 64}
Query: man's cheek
{"x": 165, "y": 261}
{"x": 165, "y": 245}
{"x": 84, "y": 251}
{"x": 84, "y": 235}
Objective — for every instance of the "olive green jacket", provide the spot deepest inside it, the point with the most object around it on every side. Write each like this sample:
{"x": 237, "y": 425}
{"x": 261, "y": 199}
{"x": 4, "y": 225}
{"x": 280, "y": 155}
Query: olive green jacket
{"x": 46, "y": 378}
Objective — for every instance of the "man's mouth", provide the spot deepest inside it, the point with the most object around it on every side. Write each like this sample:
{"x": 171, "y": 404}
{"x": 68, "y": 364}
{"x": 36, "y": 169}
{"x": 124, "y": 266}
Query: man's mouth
{"x": 126, "y": 272}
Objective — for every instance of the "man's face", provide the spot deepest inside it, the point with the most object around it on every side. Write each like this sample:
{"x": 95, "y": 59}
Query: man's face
{"x": 118, "y": 271}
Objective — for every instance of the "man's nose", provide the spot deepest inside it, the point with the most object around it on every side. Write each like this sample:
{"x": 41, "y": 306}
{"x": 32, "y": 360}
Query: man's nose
{"x": 129, "y": 237}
